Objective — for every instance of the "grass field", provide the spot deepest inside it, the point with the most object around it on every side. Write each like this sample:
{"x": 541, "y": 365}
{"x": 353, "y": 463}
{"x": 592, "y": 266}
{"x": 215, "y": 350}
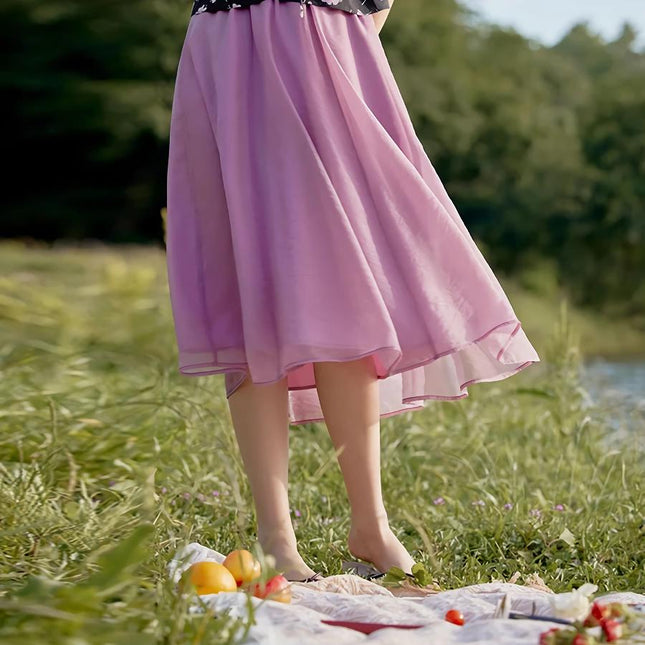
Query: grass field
{"x": 110, "y": 461}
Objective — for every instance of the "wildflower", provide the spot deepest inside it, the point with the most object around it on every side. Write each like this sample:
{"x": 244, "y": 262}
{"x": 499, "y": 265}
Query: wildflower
{"x": 439, "y": 501}
{"x": 186, "y": 495}
{"x": 558, "y": 507}
{"x": 508, "y": 506}
{"x": 323, "y": 499}
{"x": 164, "y": 490}
{"x": 297, "y": 513}
{"x": 479, "y": 502}
{"x": 535, "y": 512}
{"x": 215, "y": 493}
{"x": 200, "y": 497}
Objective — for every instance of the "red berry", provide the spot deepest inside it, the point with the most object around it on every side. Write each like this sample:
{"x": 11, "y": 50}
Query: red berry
{"x": 454, "y": 616}
{"x": 599, "y": 611}
{"x": 580, "y": 639}
{"x": 548, "y": 637}
{"x": 612, "y": 628}
{"x": 591, "y": 621}
{"x": 616, "y": 609}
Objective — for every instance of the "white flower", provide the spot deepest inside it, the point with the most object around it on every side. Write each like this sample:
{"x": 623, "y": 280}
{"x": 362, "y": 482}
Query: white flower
{"x": 573, "y": 604}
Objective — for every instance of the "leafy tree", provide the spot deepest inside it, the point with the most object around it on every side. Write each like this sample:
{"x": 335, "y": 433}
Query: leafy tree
{"x": 87, "y": 89}
{"x": 541, "y": 148}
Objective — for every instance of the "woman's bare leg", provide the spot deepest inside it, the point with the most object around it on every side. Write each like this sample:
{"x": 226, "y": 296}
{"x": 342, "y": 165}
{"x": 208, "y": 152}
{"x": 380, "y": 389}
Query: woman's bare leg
{"x": 349, "y": 397}
{"x": 261, "y": 423}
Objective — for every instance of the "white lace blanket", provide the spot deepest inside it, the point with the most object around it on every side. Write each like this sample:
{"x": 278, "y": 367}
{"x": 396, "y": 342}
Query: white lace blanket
{"x": 356, "y": 599}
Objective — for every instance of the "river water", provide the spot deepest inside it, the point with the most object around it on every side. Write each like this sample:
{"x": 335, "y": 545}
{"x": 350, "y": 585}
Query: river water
{"x": 619, "y": 386}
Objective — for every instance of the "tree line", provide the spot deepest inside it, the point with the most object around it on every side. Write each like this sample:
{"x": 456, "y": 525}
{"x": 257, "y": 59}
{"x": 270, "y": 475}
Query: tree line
{"x": 542, "y": 148}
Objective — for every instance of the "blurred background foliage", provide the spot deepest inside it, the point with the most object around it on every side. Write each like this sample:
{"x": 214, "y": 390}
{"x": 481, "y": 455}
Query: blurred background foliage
{"x": 541, "y": 147}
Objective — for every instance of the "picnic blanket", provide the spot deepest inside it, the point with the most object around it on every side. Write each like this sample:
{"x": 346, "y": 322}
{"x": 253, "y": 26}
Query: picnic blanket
{"x": 351, "y": 598}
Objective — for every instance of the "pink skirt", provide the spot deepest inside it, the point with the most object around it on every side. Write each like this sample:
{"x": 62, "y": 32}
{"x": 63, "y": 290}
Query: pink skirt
{"x": 306, "y": 222}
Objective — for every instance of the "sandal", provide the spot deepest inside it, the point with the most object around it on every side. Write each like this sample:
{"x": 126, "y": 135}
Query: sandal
{"x": 366, "y": 571}
{"x": 315, "y": 578}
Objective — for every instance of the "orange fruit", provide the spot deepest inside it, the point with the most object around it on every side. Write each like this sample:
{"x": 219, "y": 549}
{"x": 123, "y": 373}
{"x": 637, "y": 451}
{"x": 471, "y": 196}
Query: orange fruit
{"x": 210, "y": 577}
{"x": 243, "y": 566}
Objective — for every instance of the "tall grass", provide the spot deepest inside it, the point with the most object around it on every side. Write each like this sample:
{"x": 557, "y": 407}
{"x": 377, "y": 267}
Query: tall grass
{"x": 110, "y": 461}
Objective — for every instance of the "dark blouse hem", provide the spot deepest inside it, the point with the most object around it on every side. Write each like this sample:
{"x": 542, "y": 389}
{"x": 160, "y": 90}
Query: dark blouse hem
{"x": 360, "y": 7}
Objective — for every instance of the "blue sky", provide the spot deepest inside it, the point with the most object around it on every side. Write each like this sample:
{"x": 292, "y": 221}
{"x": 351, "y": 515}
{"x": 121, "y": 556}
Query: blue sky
{"x": 548, "y": 20}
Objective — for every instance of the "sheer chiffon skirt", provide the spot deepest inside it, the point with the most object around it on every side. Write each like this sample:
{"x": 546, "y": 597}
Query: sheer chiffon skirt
{"x": 306, "y": 222}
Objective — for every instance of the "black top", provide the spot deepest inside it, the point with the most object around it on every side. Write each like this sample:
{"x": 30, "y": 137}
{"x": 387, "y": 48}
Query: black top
{"x": 351, "y": 6}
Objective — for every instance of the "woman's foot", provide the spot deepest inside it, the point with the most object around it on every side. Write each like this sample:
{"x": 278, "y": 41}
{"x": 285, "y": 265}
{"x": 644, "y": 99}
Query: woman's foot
{"x": 282, "y": 546}
{"x": 378, "y": 544}
{"x": 294, "y": 567}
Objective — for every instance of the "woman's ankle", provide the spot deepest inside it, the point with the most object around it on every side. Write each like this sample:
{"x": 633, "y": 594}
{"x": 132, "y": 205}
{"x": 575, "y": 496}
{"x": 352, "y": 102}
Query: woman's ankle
{"x": 374, "y": 523}
{"x": 278, "y": 540}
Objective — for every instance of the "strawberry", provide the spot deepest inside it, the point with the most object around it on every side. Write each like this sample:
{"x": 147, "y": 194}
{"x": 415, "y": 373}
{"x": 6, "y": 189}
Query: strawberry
{"x": 616, "y": 609}
{"x": 612, "y": 628}
{"x": 599, "y": 611}
{"x": 549, "y": 637}
{"x": 591, "y": 621}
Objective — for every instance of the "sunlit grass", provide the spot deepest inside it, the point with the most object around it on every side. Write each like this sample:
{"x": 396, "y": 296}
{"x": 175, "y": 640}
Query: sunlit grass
{"x": 101, "y": 438}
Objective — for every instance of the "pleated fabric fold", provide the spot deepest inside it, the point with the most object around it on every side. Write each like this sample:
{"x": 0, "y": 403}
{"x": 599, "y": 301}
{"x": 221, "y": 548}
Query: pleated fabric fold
{"x": 306, "y": 222}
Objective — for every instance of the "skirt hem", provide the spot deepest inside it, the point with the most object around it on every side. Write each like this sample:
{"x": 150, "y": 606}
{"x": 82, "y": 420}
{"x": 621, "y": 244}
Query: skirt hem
{"x": 237, "y": 367}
